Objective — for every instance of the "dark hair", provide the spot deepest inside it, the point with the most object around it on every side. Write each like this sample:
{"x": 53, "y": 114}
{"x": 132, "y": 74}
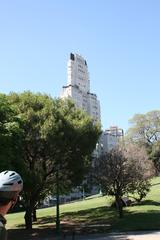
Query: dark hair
{"x": 6, "y": 197}
{"x": 4, "y": 201}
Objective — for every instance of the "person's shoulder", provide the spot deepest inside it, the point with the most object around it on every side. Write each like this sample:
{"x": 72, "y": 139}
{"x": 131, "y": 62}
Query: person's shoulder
{"x": 3, "y": 232}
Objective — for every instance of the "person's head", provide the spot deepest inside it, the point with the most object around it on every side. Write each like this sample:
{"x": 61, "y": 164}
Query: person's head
{"x": 11, "y": 184}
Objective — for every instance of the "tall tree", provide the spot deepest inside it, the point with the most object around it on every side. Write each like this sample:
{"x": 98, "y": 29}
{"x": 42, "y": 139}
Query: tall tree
{"x": 120, "y": 171}
{"x": 155, "y": 155}
{"x": 10, "y": 135}
{"x": 145, "y": 131}
{"x": 143, "y": 170}
{"x": 58, "y": 138}
{"x": 145, "y": 128}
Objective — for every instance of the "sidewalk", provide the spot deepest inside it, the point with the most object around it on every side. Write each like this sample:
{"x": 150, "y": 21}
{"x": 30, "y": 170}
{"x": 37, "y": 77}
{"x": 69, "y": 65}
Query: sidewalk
{"x": 154, "y": 235}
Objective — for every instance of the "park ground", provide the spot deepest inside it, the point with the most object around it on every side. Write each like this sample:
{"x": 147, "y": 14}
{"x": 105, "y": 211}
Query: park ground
{"x": 91, "y": 216}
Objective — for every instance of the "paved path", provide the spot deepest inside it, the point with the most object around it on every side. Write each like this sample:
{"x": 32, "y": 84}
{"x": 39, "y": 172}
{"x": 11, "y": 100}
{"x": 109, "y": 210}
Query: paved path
{"x": 154, "y": 235}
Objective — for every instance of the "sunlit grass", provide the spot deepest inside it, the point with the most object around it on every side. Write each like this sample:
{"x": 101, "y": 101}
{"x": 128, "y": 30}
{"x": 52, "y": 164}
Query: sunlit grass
{"x": 97, "y": 210}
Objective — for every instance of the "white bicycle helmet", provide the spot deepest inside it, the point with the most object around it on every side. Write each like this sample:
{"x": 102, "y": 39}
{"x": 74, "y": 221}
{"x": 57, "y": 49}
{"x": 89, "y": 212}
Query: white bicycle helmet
{"x": 11, "y": 184}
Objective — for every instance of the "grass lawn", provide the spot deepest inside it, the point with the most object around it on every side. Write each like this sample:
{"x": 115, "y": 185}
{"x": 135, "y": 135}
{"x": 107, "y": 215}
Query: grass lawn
{"x": 95, "y": 214}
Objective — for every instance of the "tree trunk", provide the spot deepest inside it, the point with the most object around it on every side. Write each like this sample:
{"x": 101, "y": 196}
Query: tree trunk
{"x": 34, "y": 215}
{"x": 57, "y": 205}
{"x": 119, "y": 206}
{"x": 28, "y": 218}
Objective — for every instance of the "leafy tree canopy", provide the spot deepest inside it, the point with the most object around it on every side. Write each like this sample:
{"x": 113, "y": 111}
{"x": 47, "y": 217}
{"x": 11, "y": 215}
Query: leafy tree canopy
{"x": 145, "y": 128}
{"x": 10, "y": 135}
{"x": 122, "y": 170}
{"x": 56, "y": 137}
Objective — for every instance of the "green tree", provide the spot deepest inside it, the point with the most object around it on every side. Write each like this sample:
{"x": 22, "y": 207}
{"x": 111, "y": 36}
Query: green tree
{"x": 145, "y": 131}
{"x": 155, "y": 155}
{"x": 58, "y": 138}
{"x": 145, "y": 128}
{"x": 10, "y": 135}
{"x": 143, "y": 170}
{"x": 113, "y": 175}
{"x": 120, "y": 171}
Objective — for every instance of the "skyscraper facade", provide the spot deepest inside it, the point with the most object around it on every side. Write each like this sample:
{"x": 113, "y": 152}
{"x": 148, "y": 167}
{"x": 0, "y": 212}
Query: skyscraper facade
{"x": 78, "y": 87}
{"x": 110, "y": 138}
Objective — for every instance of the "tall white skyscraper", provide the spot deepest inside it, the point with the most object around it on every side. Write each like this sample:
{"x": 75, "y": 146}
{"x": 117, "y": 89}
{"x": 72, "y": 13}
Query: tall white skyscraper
{"x": 78, "y": 87}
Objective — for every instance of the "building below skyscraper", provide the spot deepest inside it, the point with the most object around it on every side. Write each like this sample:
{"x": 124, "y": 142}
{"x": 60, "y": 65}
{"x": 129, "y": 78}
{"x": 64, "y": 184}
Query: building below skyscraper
{"x": 78, "y": 87}
{"x": 110, "y": 138}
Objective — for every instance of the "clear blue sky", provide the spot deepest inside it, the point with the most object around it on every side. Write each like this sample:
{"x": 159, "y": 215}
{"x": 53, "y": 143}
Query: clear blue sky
{"x": 120, "y": 40}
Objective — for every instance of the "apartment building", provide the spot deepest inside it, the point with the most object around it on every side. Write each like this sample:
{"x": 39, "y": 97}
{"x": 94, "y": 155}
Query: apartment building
{"x": 78, "y": 87}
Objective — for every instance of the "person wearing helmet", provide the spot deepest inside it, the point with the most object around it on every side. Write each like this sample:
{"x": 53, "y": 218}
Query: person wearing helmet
{"x": 11, "y": 184}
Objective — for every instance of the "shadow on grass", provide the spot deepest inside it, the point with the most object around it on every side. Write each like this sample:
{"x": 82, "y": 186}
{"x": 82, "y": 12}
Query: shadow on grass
{"x": 35, "y": 234}
{"x": 45, "y": 220}
{"x": 138, "y": 221}
{"x": 150, "y": 202}
{"x": 95, "y": 220}
{"x": 92, "y": 215}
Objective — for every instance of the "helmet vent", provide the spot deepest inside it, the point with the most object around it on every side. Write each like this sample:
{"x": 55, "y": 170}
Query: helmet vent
{"x": 7, "y": 184}
{"x": 12, "y": 174}
{"x": 20, "y": 181}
